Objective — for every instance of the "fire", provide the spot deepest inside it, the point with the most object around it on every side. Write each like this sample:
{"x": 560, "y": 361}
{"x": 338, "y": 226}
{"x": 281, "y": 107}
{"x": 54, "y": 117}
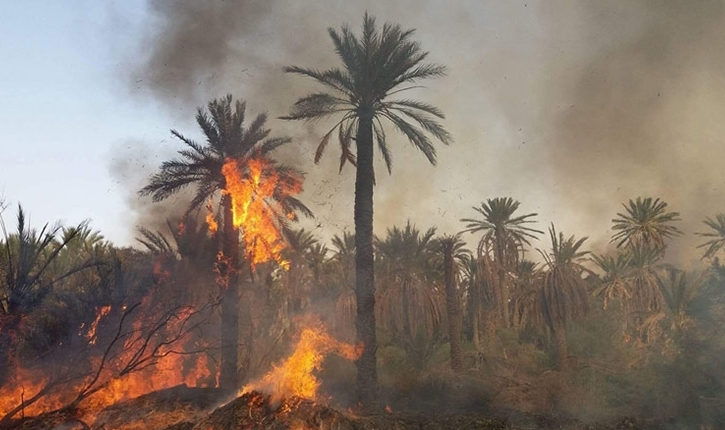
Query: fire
{"x": 255, "y": 189}
{"x": 295, "y": 375}
{"x": 168, "y": 370}
{"x": 210, "y": 221}
{"x": 91, "y": 335}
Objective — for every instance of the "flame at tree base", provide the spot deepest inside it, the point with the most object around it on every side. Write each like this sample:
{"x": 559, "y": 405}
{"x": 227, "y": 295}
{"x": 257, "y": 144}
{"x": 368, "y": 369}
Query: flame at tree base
{"x": 294, "y": 376}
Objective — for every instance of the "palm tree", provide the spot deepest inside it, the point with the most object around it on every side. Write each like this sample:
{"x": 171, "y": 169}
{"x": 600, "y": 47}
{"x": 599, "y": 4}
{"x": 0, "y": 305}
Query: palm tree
{"x": 227, "y": 139}
{"x": 615, "y": 283}
{"x": 505, "y": 234}
{"x": 563, "y": 295}
{"x": 524, "y": 297}
{"x": 410, "y": 302}
{"x": 645, "y": 222}
{"x": 679, "y": 290}
{"x": 454, "y": 252}
{"x": 378, "y": 64}
{"x": 29, "y": 271}
{"x": 646, "y": 295}
{"x": 715, "y": 236}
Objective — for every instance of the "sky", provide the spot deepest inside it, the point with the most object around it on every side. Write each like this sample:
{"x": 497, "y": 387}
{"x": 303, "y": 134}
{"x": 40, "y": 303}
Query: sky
{"x": 571, "y": 107}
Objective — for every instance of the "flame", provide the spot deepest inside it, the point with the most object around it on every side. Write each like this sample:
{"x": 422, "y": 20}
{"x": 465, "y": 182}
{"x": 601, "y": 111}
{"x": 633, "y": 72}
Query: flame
{"x": 91, "y": 335}
{"x": 210, "y": 221}
{"x": 255, "y": 189}
{"x": 170, "y": 370}
{"x": 295, "y": 375}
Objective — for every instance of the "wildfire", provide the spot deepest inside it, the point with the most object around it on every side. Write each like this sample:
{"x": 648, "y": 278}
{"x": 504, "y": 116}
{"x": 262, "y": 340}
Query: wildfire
{"x": 169, "y": 369}
{"x": 255, "y": 189}
{"x": 295, "y": 375}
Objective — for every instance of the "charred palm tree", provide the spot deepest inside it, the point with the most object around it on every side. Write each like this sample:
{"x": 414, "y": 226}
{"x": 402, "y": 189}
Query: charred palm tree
{"x": 378, "y": 64}
{"x": 454, "y": 253}
{"x": 645, "y": 222}
{"x": 715, "y": 236}
{"x": 504, "y": 234}
{"x": 563, "y": 295}
{"x": 201, "y": 165}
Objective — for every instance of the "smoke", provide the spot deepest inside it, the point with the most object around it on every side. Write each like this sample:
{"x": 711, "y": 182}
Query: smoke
{"x": 134, "y": 163}
{"x": 571, "y": 107}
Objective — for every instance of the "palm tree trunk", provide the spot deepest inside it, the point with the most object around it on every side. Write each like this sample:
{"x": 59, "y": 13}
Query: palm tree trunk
{"x": 503, "y": 291}
{"x": 229, "y": 378}
{"x": 367, "y": 375}
{"x": 562, "y": 348}
{"x": 453, "y": 308}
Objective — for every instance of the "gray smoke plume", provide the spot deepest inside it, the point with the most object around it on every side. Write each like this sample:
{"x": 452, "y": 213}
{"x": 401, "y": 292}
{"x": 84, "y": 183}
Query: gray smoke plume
{"x": 571, "y": 107}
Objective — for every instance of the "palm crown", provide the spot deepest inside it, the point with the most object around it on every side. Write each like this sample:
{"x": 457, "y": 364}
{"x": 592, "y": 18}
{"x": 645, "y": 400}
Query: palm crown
{"x": 226, "y": 138}
{"x": 645, "y": 222}
{"x": 377, "y": 65}
{"x": 715, "y": 236}
{"x": 499, "y": 226}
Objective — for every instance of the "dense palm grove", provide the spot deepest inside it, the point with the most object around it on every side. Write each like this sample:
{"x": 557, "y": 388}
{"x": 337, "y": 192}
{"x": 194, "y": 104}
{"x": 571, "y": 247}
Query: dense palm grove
{"x": 502, "y": 315}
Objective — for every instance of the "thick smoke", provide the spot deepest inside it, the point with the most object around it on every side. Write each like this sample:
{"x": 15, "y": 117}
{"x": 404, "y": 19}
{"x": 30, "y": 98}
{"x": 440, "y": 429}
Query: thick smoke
{"x": 571, "y": 107}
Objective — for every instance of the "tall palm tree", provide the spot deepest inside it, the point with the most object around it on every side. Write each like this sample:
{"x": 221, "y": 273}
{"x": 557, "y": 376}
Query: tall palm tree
{"x": 715, "y": 236}
{"x": 454, "y": 252}
{"x": 201, "y": 165}
{"x": 645, "y": 222}
{"x": 563, "y": 296}
{"x": 375, "y": 66}
{"x": 505, "y": 234}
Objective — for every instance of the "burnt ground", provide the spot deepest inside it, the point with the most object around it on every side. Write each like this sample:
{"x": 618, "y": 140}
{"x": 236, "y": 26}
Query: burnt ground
{"x": 184, "y": 408}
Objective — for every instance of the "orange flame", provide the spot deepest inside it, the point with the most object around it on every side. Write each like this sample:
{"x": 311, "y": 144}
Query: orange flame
{"x": 170, "y": 370}
{"x": 294, "y": 376}
{"x": 91, "y": 335}
{"x": 256, "y": 189}
{"x": 210, "y": 221}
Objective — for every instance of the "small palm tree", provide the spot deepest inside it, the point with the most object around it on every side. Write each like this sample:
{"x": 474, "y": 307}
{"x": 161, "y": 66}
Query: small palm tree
{"x": 645, "y": 222}
{"x": 376, "y": 65}
{"x": 563, "y": 295}
{"x": 715, "y": 236}
{"x": 30, "y": 270}
{"x": 410, "y": 300}
{"x": 525, "y": 293}
{"x": 505, "y": 234}
{"x": 615, "y": 282}
{"x": 679, "y": 289}
{"x": 201, "y": 165}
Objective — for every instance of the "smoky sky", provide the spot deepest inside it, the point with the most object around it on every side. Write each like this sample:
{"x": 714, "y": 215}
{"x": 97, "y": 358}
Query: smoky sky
{"x": 571, "y": 107}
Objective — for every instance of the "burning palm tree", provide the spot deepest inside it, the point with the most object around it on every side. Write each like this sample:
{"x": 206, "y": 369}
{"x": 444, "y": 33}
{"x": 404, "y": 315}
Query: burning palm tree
{"x": 377, "y": 65}
{"x": 234, "y": 160}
